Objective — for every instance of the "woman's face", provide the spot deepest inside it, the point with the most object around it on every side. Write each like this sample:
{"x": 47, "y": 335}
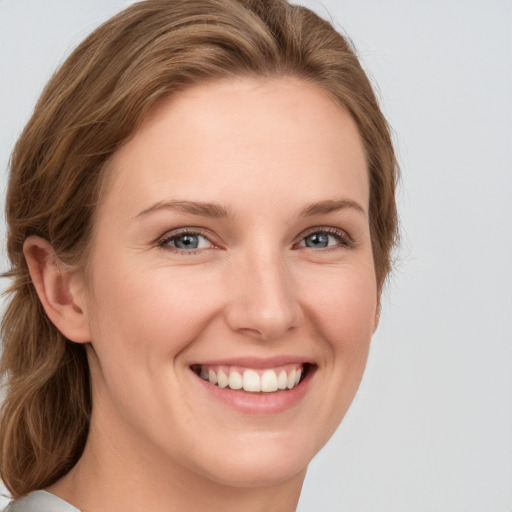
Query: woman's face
{"x": 232, "y": 248}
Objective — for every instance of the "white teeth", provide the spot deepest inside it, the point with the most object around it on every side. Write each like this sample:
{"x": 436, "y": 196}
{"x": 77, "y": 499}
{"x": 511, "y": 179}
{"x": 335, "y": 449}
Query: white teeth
{"x": 251, "y": 381}
{"x": 235, "y": 380}
{"x": 269, "y": 381}
{"x": 282, "y": 380}
{"x": 223, "y": 379}
{"x": 290, "y": 383}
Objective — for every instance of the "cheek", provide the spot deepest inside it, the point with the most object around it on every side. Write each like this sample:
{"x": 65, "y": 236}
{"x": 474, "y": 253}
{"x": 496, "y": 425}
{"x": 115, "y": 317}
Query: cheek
{"x": 344, "y": 304}
{"x": 344, "y": 309}
{"x": 142, "y": 321}
{"x": 147, "y": 312}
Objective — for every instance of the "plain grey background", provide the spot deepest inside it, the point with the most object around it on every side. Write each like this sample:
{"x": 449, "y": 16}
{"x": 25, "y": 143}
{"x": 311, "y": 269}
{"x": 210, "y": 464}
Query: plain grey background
{"x": 430, "y": 429}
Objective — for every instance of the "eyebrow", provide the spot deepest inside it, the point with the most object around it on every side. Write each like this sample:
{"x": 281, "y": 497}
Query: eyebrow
{"x": 192, "y": 207}
{"x": 329, "y": 206}
{"x": 216, "y": 210}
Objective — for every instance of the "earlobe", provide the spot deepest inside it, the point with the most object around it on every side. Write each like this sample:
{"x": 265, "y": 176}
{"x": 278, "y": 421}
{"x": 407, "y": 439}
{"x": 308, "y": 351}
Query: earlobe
{"x": 60, "y": 290}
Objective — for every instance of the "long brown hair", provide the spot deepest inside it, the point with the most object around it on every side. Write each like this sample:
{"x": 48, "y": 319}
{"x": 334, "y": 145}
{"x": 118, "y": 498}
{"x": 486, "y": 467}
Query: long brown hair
{"x": 88, "y": 110}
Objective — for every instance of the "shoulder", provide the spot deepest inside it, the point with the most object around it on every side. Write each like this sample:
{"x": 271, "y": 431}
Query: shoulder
{"x": 40, "y": 501}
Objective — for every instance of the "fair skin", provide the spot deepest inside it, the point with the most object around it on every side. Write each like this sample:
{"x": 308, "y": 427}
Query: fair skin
{"x": 233, "y": 237}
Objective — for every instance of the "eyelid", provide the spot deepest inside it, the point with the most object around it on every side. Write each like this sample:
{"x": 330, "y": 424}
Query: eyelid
{"x": 169, "y": 235}
{"x": 345, "y": 239}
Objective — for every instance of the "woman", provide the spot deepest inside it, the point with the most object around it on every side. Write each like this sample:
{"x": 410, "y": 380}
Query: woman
{"x": 201, "y": 212}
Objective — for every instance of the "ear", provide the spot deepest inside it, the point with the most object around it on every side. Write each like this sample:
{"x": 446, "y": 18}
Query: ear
{"x": 61, "y": 291}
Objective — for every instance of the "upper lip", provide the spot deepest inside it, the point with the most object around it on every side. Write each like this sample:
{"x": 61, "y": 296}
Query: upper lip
{"x": 256, "y": 362}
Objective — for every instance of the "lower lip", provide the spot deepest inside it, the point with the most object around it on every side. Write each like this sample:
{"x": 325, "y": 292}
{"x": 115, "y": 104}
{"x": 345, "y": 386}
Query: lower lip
{"x": 258, "y": 403}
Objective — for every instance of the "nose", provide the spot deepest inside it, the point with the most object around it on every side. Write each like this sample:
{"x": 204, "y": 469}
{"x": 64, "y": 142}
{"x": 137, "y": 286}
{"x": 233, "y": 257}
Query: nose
{"x": 263, "y": 301}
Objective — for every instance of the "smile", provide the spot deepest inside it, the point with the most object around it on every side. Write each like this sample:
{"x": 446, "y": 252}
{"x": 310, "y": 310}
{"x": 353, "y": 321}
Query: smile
{"x": 285, "y": 377}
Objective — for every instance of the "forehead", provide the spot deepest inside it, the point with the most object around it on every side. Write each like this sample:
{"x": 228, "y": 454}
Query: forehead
{"x": 243, "y": 140}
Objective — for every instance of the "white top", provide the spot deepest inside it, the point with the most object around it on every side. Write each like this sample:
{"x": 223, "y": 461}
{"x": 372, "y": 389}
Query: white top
{"x": 40, "y": 501}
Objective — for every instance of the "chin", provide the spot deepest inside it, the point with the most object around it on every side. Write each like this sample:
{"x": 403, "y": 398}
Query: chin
{"x": 258, "y": 473}
{"x": 257, "y": 462}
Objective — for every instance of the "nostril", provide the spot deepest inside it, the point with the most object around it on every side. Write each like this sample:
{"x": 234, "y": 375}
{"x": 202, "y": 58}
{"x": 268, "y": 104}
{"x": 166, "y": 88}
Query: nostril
{"x": 250, "y": 331}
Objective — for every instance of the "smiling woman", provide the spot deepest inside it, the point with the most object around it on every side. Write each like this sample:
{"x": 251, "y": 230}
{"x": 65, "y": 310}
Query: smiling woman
{"x": 201, "y": 212}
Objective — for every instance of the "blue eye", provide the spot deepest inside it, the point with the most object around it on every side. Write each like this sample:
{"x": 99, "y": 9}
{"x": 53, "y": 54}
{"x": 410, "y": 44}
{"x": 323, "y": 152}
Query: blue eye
{"x": 317, "y": 240}
{"x": 324, "y": 239}
{"x": 186, "y": 242}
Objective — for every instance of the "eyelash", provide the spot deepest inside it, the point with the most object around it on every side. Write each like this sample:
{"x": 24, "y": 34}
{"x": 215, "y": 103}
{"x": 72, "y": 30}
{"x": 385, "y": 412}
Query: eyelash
{"x": 345, "y": 241}
{"x": 343, "y": 238}
{"x": 163, "y": 243}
